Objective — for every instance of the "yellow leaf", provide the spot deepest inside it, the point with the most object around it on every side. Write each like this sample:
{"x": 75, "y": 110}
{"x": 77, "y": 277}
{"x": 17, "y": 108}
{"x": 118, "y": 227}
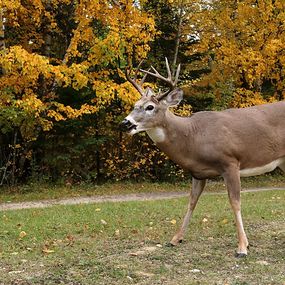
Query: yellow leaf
{"x": 173, "y": 222}
{"x": 224, "y": 221}
{"x": 22, "y": 234}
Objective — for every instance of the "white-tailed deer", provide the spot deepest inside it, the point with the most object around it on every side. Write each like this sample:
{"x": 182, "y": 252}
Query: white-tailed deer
{"x": 230, "y": 143}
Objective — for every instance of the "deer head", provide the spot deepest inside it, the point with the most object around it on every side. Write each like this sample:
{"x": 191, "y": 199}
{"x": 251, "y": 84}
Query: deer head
{"x": 149, "y": 111}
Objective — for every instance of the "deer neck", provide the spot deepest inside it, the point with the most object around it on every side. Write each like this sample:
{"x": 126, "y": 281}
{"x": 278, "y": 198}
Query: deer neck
{"x": 173, "y": 136}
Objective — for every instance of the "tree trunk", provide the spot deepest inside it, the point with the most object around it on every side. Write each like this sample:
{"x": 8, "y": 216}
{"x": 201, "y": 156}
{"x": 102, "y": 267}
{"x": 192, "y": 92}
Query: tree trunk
{"x": 14, "y": 156}
{"x": 2, "y": 35}
{"x": 178, "y": 38}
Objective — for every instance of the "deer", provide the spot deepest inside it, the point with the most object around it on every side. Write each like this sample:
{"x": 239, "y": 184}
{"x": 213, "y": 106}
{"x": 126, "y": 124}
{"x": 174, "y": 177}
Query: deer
{"x": 232, "y": 143}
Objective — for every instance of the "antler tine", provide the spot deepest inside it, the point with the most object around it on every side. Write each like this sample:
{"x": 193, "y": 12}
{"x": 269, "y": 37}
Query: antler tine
{"x": 143, "y": 79}
{"x": 138, "y": 69}
{"x": 168, "y": 68}
{"x": 136, "y": 74}
{"x": 156, "y": 74}
{"x": 177, "y": 74}
{"x": 168, "y": 80}
{"x": 134, "y": 82}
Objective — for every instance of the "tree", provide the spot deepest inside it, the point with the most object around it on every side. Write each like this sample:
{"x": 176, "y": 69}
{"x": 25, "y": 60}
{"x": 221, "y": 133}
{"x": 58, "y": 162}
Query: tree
{"x": 244, "y": 40}
{"x": 59, "y": 47}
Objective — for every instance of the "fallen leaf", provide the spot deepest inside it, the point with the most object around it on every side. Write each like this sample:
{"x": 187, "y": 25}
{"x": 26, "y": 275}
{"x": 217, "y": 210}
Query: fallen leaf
{"x": 69, "y": 239}
{"x": 173, "y": 222}
{"x": 47, "y": 251}
{"x": 86, "y": 227}
{"x": 205, "y": 220}
{"x": 22, "y": 234}
{"x": 103, "y": 222}
{"x": 262, "y": 262}
{"x": 97, "y": 210}
{"x": 224, "y": 221}
{"x": 195, "y": 270}
{"x": 16, "y": 272}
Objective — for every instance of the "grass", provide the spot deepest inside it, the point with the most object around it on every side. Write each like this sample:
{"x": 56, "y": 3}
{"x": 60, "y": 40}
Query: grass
{"x": 40, "y": 191}
{"x": 125, "y": 243}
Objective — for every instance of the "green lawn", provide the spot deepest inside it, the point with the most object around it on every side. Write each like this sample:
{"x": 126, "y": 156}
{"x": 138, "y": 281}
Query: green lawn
{"x": 125, "y": 243}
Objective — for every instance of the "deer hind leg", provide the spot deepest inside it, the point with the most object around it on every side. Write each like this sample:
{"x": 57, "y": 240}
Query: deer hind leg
{"x": 197, "y": 188}
{"x": 232, "y": 180}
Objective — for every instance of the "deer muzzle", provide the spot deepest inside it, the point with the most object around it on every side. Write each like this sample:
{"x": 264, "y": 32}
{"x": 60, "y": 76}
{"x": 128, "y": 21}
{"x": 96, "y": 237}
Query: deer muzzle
{"x": 127, "y": 126}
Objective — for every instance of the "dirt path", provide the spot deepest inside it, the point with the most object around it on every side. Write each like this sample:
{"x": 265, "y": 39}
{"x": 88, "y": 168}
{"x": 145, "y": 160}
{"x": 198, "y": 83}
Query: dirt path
{"x": 111, "y": 198}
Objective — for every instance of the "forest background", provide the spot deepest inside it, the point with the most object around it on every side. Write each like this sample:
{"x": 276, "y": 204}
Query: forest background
{"x": 63, "y": 89}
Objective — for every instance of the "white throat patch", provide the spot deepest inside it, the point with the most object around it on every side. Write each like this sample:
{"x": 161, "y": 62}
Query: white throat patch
{"x": 156, "y": 134}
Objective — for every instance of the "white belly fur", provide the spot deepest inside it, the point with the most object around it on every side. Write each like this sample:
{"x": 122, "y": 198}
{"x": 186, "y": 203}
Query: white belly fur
{"x": 262, "y": 169}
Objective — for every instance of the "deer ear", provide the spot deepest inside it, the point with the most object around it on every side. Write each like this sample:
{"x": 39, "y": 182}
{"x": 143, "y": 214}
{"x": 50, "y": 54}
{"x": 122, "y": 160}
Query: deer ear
{"x": 173, "y": 98}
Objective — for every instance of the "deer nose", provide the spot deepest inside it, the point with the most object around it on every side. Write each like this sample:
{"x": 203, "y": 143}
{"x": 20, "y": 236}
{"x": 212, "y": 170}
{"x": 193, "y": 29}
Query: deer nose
{"x": 124, "y": 125}
{"x": 127, "y": 126}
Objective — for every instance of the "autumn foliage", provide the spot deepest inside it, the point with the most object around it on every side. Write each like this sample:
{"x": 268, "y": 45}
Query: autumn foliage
{"x": 243, "y": 43}
{"x": 63, "y": 89}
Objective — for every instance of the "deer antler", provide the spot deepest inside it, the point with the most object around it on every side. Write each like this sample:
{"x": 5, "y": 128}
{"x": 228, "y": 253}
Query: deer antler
{"x": 168, "y": 80}
{"x": 134, "y": 81}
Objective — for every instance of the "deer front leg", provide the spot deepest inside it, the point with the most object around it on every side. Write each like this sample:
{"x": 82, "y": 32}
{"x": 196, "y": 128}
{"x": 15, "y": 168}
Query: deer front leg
{"x": 232, "y": 180}
{"x": 197, "y": 188}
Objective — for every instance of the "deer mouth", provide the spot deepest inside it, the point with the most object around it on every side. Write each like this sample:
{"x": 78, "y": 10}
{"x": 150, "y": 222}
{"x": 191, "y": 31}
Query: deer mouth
{"x": 127, "y": 126}
{"x": 132, "y": 127}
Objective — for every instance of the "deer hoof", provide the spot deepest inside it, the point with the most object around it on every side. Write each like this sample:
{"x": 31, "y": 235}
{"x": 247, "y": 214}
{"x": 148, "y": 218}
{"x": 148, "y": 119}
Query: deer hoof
{"x": 175, "y": 242}
{"x": 240, "y": 255}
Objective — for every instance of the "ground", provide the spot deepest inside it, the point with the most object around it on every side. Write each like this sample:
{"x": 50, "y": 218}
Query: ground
{"x": 126, "y": 242}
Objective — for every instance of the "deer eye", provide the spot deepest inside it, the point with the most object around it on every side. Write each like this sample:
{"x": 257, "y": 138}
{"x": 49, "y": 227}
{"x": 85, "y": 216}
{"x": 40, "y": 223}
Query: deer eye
{"x": 149, "y": 108}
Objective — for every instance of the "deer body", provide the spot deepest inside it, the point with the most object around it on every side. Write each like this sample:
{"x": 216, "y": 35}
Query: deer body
{"x": 230, "y": 143}
{"x": 203, "y": 143}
